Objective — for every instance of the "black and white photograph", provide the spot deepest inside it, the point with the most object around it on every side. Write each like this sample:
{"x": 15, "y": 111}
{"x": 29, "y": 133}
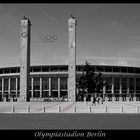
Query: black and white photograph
{"x": 70, "y": 70}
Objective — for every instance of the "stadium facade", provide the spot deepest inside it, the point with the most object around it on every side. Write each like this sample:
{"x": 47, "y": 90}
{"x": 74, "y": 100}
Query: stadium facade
{"x": 52, "y": 80}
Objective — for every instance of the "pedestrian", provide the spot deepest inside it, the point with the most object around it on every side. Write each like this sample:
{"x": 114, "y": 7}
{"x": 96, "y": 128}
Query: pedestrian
{"x": 87, "y": 99}
{"x": 98, "y": 100}
{"x": 94, "y": 101}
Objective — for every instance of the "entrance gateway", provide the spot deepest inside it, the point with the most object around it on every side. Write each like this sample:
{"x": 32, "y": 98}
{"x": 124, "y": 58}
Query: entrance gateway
{"x": 25, "y": 59}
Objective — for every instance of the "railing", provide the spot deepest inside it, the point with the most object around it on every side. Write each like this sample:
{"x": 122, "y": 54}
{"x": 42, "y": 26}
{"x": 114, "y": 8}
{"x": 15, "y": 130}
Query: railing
{"x": 78, "y": 109}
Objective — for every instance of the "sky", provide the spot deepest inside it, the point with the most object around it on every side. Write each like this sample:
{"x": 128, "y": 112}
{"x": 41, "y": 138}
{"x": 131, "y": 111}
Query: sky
{"x": 110, "y": 32}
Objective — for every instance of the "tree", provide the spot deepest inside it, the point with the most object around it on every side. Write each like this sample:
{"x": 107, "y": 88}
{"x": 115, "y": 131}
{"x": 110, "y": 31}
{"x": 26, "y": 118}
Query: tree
{"x": 91, "y": 81}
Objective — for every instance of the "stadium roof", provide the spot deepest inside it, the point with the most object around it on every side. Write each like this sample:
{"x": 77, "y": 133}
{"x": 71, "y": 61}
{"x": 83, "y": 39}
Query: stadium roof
{"x": 109, "y": 61}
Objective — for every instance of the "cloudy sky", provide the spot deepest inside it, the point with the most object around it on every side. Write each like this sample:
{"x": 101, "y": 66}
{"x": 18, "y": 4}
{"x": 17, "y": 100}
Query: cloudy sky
{"x": 107, "y": 31}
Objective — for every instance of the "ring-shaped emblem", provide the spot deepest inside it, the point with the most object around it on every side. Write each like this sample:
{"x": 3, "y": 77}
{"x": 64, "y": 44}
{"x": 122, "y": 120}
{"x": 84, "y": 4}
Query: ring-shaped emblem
{"x": 24, "y": 34}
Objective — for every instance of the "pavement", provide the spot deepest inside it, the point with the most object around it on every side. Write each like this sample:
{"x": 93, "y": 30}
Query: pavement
{"x": 70, "y": 107}
{"x": 69, "y": 115}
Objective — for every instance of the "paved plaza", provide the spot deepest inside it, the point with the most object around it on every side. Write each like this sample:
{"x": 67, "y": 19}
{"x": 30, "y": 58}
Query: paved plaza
{"x": 69, "y": 115}
{"x": 70, "y": 107}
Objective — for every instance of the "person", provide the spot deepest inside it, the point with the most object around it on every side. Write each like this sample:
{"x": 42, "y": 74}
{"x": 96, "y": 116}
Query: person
{"x": 87, "y": 98}
{"x": 97, "y": 99}
{"x": 94, "y": 101}
{"x": 102, "y": 100}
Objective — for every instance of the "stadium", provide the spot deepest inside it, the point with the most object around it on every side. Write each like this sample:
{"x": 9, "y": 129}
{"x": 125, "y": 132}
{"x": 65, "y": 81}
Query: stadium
{"x": 52, "y": 80}
{"x": 40, "y": 82}
{"x": 38, "y": 88}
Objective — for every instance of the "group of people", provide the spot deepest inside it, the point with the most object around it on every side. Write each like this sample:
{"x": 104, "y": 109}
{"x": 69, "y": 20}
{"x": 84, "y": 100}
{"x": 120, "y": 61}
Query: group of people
{"x": 96, "y": 100}
{"x": 53, "y": 99}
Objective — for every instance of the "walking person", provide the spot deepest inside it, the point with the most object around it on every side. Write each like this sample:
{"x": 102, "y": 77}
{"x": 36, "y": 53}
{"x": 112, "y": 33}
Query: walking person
{"x": 94, "y": 101}
{"x": 87, "y": 100}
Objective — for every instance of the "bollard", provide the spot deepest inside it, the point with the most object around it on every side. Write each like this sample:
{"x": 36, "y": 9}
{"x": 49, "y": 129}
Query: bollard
{"x": 59, "y": 109}
{"x": 84, "y": 99}
{"x": 137, "y": 109}
{"x": 106, "y": 109}
{"x": 75, "y": 109}
{"x": 13, "y": 109}
{"x": 28, "y": 109}
{"x": 121, "y": 109}
{"x": 43, "y": 109}
{"x": 90, "y": 109}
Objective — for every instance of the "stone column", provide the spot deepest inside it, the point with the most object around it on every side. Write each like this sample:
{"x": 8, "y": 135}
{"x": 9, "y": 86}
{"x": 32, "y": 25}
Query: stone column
{"x": 127, "y": 85}
{"x": 112, "y": 88}
{"x": 3, "y": 88}
{"x": 127, "y": 88}
{"x": 120, "y": 87}
{"x": 49, "y": 86}
{"x": 25, "y": 60}
{"x": 9, "y": 87}
{"x": 32, "y": 87}
{"x": 58, "y": 87}
{"x": 104, "y": 90}
{"x": 16, "y": 87}
{"x": 134, "y": 89}
{"x": 120, "y": 91}
{"x": 40, "y": 87}
{"x": 72, "y": 59}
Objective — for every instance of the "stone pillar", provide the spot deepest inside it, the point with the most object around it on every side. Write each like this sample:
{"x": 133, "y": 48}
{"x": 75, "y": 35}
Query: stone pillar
{"x": 32, "y": 87}
{"x": 127, "y": 85}
{"x": 2, "y": 88}
{"x": 127, "y": 88}
{"x": 49, "y": 86}
{"x": 120, "y": 91}
{"x": 40, "y": 87}
{"x": 16, "y": 87}
{"x": 25, "y": 59}
{"x": 120, "y": 87}
{"x": 104, "y": 90}
{"x": 134, "y": 88}
{"x": 58, "y": 87}
{"x": 112, "y": 88}
{"x": 9, "y": 87}
{"x": 72, "y": 59}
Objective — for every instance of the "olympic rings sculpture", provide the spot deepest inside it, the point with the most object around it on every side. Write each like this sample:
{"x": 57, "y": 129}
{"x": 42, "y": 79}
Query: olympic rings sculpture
{"x": 48, "y": 38}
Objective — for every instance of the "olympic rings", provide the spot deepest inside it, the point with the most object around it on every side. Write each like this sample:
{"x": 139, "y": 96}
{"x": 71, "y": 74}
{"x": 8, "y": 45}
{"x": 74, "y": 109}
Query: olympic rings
{"x": 48, "y": 38}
